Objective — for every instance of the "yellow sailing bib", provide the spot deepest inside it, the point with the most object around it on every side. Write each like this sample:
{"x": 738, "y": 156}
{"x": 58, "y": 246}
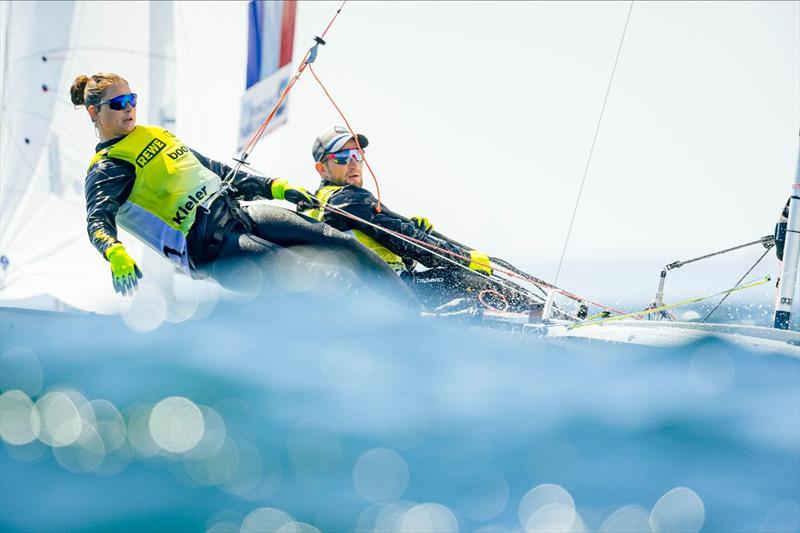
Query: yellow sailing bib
{"x": 323, "y": 195}
{"x": 170, "y": 184}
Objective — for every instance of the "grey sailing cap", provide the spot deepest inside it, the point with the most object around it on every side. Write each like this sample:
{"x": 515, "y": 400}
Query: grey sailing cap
{"x": 332, "y": 141}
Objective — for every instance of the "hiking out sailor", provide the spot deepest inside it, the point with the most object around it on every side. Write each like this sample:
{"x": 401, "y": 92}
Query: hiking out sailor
{"x": 338, "y": 159}
{"x": 146, "y": 181}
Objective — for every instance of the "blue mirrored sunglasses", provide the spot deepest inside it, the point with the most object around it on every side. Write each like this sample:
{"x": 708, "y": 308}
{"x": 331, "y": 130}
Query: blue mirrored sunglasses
{"x": 343, "y": 157}
{"x": 118, "y": 103}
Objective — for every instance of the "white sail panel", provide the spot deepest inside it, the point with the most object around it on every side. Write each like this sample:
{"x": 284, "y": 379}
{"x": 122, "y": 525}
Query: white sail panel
{"x": 34, "y": 61}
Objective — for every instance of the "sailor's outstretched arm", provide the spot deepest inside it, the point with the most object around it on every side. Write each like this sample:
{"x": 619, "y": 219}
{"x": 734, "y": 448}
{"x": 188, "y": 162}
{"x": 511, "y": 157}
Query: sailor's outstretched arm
{"x": 248, "y": 186}
{"x": 108, "y": 185}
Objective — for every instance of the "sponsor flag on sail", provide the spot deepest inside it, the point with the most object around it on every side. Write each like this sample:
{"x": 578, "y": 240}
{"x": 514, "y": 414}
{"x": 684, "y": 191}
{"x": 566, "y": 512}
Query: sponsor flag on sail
{"x": 269, "y": 64}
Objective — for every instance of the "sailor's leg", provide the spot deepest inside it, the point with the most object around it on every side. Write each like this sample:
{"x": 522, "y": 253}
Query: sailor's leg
{"x": 247, "y": 263}
{"x": 317, "y": 242}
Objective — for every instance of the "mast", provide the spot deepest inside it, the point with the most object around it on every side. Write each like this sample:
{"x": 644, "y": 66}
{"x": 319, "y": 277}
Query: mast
{"x": 791, "y": 253}
{"x": 162, "y": 65}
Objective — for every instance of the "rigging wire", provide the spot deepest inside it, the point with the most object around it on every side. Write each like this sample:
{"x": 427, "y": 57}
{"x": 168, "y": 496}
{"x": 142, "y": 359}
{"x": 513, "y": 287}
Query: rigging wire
{"x": 738, "y": 282}
{"x": 594, "y": 141}
{"x": 767, "y": 242}
{"x": 748, "y": 285}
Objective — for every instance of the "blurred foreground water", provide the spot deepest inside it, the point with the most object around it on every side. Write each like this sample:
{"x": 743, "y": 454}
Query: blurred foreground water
{"x": 290, "y": 413}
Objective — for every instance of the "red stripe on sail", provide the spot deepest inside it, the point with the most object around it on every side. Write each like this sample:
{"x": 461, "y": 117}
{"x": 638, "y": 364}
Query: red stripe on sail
{"x": 287, "y": 32}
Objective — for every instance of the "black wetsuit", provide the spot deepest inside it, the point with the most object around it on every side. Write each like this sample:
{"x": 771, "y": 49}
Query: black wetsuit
{"x": 228, "y": 230}
{"x": 443, "y": 281}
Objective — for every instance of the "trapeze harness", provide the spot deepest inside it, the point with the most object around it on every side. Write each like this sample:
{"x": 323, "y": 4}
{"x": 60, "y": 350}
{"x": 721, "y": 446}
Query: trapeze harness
{"x": 170, "y": 184}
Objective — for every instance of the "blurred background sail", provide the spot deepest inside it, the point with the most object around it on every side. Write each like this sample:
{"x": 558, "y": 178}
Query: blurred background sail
{"x": 47, "y": 260}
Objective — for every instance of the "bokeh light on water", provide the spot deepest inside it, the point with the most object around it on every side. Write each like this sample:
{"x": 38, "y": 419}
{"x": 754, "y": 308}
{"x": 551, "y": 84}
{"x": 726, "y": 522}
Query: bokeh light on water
{"x": 544, "y": 496}
{"x": 62, "y": 423}
{"x": 266, "y": 519}
{"x": 146, "y": 310}
{"x": 627, "y": 519}
{"x": 213, "y": 436}
{"x": 83, "y": 455}
{"x": 176, "y": 424}
{"x": 216, "y": 469}
{"x": 678, "y": 511}
{"x": 380, "y": 475}
{"x": 429, "y": 518}
{"x": 555, "y": 518}
{"x": 19, "y": 418}
{"x": 139, "y": 436}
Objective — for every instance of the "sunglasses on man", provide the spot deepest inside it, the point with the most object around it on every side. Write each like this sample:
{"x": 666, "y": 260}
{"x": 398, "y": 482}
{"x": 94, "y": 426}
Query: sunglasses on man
{"x": 118, "y": 103}
{"x": 343, "y": 157}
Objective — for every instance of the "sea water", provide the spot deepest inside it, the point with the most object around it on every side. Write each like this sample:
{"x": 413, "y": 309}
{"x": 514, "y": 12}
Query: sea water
{"x": 298, "y": 413}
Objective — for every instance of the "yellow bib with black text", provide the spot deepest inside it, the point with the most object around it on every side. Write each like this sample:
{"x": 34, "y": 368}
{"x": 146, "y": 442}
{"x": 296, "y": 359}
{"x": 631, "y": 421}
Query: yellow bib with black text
{"x": 323, "y": 195}
{"x": 170, "y": 184}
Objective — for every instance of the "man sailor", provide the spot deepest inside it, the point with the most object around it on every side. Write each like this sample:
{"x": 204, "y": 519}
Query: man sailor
{"x": 452, "y": 272}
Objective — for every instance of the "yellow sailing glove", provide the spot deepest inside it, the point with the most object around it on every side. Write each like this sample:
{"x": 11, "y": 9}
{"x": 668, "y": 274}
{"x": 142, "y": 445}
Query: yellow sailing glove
{"x": 479, "y": 262}
{"x": 282, "y": 190}
{"x": 124, "y": 273}
{"x": 422, "y": 223}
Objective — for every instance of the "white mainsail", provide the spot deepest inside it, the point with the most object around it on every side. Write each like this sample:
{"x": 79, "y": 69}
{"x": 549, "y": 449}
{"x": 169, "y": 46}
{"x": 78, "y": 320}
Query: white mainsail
{"x": 47, "y": 260}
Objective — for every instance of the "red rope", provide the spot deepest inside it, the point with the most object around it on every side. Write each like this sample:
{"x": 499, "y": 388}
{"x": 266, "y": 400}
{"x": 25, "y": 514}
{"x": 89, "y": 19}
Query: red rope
{"x": 334, "y": 18}
{"x": 495, "y": 293}
{"x": 353, "y": 133}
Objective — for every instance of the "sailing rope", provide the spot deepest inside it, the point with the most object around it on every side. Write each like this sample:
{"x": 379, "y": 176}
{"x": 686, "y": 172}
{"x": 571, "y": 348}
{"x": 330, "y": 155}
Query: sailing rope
{"x": 594, "y": 141}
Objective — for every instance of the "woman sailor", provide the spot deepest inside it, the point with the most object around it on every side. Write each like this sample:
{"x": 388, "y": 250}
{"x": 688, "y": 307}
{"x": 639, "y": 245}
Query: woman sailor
{"x": 148, "y": 182}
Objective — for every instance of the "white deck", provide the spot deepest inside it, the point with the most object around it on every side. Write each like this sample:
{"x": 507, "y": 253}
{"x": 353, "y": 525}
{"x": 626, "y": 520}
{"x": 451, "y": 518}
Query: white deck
{"x": 650, "y": 333}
